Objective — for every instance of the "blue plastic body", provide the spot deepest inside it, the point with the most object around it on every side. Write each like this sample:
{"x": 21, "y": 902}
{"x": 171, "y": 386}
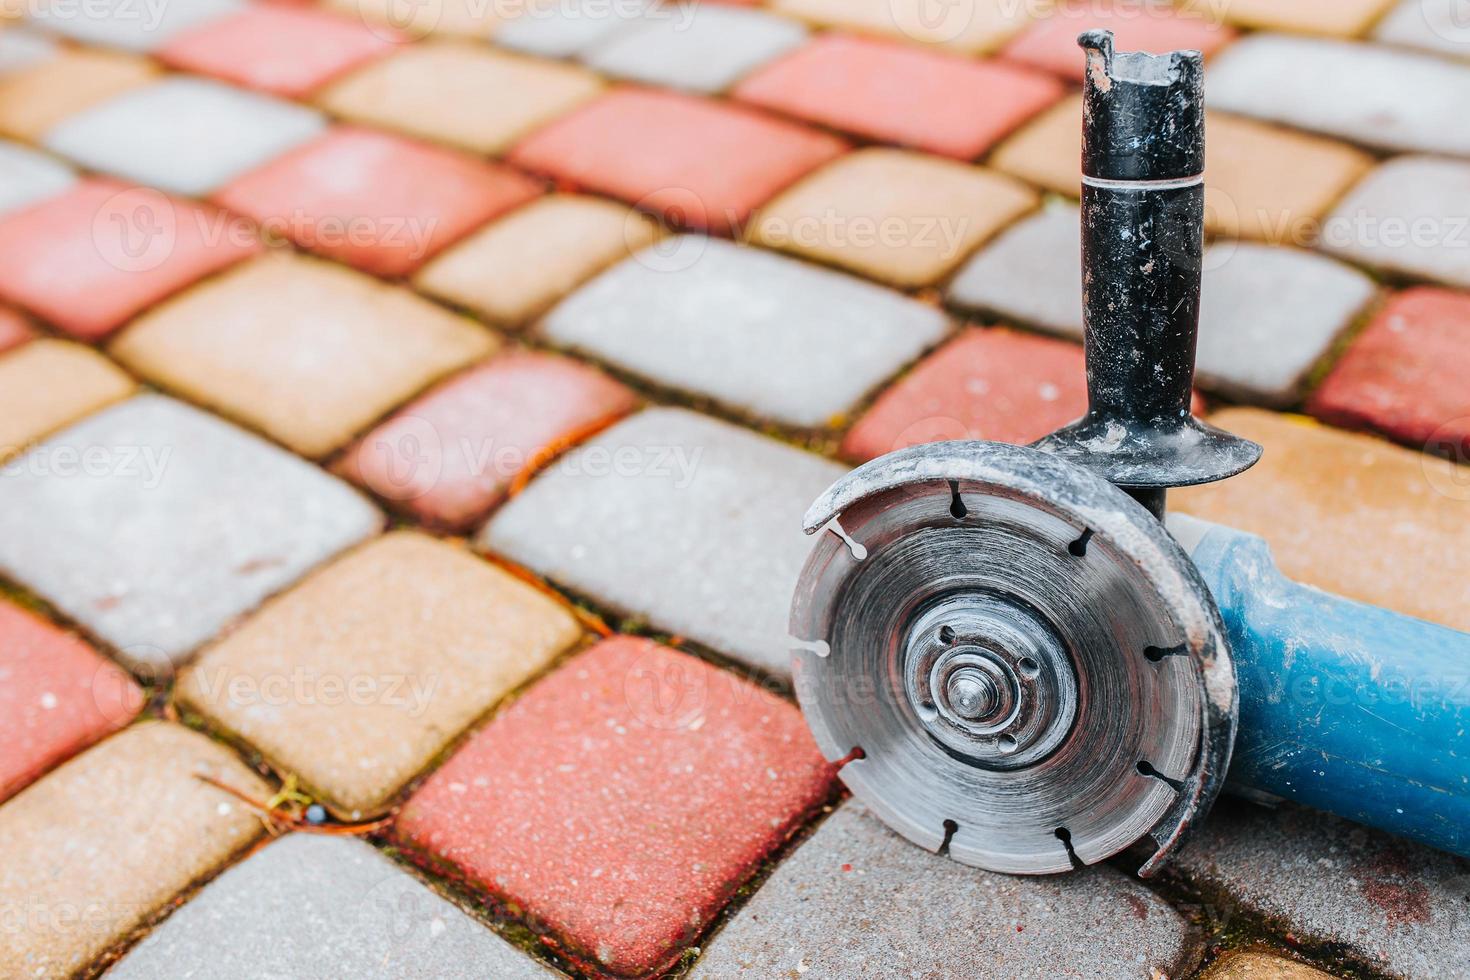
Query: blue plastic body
{"x": 1344, "y": 706}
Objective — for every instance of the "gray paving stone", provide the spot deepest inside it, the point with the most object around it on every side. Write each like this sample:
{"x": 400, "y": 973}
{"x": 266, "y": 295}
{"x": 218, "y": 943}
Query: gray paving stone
{"x": 129, "y": 24}
{"x": 1256, "y": 299}
{"x": 701, "y": 48}
{"x": 21, "y": 48}
{"x": 1411, "y": 215}
{"x": 1402, "y": 907}
{"x": 154, "y": 524}
{"x": 28, "y": 177}
{"x": 1377, "y": 96}
{"x": 308, "y": 906}
{"x": 761, "y": 333}
{"x": 688, "y": 522}
{"x": 567, "y": 28}
{"x": 182, "y": 134}
{"x": 857, "y": 901}
{"x": 1440, "y": 26}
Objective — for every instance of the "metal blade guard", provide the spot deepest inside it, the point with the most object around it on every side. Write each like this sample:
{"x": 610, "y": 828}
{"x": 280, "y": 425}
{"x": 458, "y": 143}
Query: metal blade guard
{"x": 1016, "y": 663}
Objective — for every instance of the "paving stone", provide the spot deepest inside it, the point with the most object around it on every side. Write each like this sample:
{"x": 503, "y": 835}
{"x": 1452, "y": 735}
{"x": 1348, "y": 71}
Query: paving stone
{"x": 182, "y": 135}
{"x": 309, "y": 905}
{"x": 997, "y": 384}
{"x": 288, "y": 51}
{"x": 974, "y": 27}
{"x": 899, "y": 217}
{"x": 1260, "y": 966}
{"x": 570, "y": 27}
{"x": 359, "y": 676}
{"x": 375, "y": 201}
{"x": 1050, "y": 43}
{"x": 1400, "y": 906}
{"x": 36, "y": 97}
{"x": 1431, "y": 25}
{"x": 1261, "y": 182}
{"x": 420, "y": 18}
{"x": 708, "y": 50}
{"x": 306, "y": 351}
{"x": 689, "y": 523}
{"x": 1255, "y": 298}
{"x": 622, "y": 800}
{"x": 1411, "y": 215}
{"x": 28, "y": 177}
{"x": 759, "y": 333}
{"x": 516, "y": 267}
{"x": 57, "y": 696}
{"x": 51, "y": 383}
{"x": 21, "y": 48}
{"x": 14, "y": 330}
{"x": 126, "y": 24}
{"x": 437, "y": 91}
{"x": 96, "y": 848}
{"x": 1319, "y": 494}
{"x": 1341, "y": 18}
{"x": 899, "y": 93}
{"x": 1402, "y": 376}
{"x": 449, "y": 457}
{"x": 701, "y": 164}
{"x": 153, "y": 525}
{"x": 1381, "y": 97}
{"x": 883, "y": 897}
{"x": 90, "y": 258}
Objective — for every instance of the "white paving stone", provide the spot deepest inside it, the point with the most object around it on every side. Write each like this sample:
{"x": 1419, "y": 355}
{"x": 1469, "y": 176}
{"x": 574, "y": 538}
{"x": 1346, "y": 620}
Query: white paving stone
{"x": 687, "y": 522}
{"x": 1441, "y": 26}
{"x": 759, "y": 332}
{"x": 311, "y": 906}
{"x": 569, "y": 27}
{"x": 153, "y": 524}
{"x": 182, "y": 134}
{"x": 1367, "y": 93}
{"x": 134, "y": 25}
{"x": 855, "y": 900}
{"x": 28, "y": 177}
{"x": 1266, "y": 313}
{"x": 21, "y": 49}
{"x": 701, "y": 48}
{"x": 1411, "y": 215}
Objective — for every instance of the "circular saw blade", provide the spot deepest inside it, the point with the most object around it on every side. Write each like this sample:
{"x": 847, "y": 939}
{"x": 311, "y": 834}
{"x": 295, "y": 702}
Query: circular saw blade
{"x": 1019, "y": 665}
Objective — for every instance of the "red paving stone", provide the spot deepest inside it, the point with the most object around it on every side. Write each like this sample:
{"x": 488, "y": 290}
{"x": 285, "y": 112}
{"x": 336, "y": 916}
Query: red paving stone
{"x": 88, "y": 259}
{"x": 14, "y": 330}
{"x": 900, "y": 93}
{"x": 273, "y": 48}
{"x": 57, "y": 695}
{"x": 623, "y": 799}
{"x": 449, "y": 457}
{"x": 1404, "y": 375}
{"x": 381, "y": 203}
{"x": 702, "y": 164}
{"x": 1051, "y": 43}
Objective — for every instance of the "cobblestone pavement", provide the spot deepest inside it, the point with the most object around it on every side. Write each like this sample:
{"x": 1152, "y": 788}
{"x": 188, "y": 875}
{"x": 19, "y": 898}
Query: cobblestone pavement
{"x": 407, "y": 408}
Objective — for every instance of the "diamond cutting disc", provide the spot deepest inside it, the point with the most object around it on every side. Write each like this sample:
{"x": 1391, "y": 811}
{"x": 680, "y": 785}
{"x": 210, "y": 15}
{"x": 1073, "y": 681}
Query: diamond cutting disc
{"x": 1018, "y": 665}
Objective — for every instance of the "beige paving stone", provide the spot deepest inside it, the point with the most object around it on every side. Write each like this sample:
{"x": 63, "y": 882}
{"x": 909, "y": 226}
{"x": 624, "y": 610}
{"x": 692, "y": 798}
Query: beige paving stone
{"x": 47, "y": 384}
{"x": 358, "y": 677}
{"x": 462, "y": 93}
{"x": 107, "y": 840}
{"x": 905, "y": 218}
{"x": 308, "y": 352}
{"x": 974, "y": 26}
{"x": 1262, "y": 182}
{"x": 1260, "y": 966}
{"x": 518, "y": 266}
{"x": 1350, "y": 514}
{"x": 1338, "y": 18}
{"x": 40, "y": 95}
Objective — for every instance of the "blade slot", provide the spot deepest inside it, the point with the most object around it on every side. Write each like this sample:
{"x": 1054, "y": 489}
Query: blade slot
{"x": 855, "y": 547}
{"x": 1146, "y": 768}
{"x": 1156, "y": 654}
{"x": 1065, "y": 836}
{"x": 950, "y": 829}
{"x": 957, "y": 508}
{"x": 1079, "y": 547}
